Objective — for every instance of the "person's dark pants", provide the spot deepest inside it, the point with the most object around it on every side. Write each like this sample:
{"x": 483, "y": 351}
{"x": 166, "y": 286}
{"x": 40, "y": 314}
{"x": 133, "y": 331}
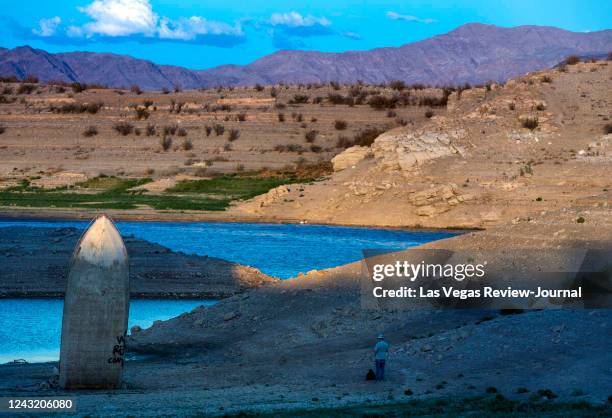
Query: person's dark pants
{"x": 380, "y": 370}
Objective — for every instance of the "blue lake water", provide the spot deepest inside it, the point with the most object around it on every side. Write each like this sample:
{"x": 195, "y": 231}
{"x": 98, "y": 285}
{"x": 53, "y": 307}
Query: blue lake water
{"x": 30, "y": 328}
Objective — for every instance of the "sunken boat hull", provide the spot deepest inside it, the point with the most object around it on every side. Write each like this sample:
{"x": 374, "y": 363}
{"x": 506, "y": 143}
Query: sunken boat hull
{"x": 96, "y": 308}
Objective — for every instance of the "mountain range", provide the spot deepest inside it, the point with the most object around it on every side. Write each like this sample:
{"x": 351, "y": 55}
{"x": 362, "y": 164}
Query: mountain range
{"x": 472, "y": 53}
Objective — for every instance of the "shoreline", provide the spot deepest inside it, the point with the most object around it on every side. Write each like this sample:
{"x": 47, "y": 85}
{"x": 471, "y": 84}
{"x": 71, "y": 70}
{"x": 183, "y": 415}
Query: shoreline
{"x": 210, "y": 217}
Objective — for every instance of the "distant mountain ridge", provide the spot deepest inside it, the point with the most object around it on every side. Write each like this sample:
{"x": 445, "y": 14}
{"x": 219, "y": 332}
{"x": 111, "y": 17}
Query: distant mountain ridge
{"x": 471, "y": 53}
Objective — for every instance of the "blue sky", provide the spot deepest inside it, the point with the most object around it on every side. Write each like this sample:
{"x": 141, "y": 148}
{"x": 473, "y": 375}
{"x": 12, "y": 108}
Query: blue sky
{"x": 203, "y": 34}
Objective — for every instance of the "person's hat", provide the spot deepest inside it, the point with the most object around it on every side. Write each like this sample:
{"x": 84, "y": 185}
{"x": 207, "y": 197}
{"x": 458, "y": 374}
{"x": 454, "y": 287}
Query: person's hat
{"x": 381, "y": 337}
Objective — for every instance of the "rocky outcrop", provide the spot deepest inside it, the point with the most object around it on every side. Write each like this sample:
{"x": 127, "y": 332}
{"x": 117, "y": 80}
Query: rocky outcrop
{"x": 408, "y": 150}
{"x": 437, "y": 199}
{"x": 259, "y": 202}
{"x": 349, "y": 157}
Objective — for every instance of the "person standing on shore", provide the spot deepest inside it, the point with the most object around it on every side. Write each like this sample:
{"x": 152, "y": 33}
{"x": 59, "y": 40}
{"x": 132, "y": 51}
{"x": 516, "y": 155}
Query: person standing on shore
{"x": 380, "y": 356}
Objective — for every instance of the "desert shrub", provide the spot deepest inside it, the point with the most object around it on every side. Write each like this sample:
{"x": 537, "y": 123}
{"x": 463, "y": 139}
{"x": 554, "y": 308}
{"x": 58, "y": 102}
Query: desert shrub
{"x": 317, "y": 100}
{"x": 344, "y": 142}
{"x": 208, "y": 130}
{"x": 201, "y": 171}
{"x": 280, "y": 105}
{"x": 335, "y": 85}
{"x": 530, "y": 122}
{"x": 335, "y": 98}
{"x": 547, "y": 393}
{"x": 177, "y": 88}
{"x": 429, "y": 114}
{"x": 166, "y": 142}
{"x": 227, "y": 146}
{"x": 316, "y": 149}
{"x": 380, "y": 102}
{"x": 259, "y": 87}
{"x": 607, "y": 129}
{"x": 572, "y": 59}
{"x": 176, "y": 107}
{"x": 304, "y": 169}
{"x": 311, "y": 135}
{"x": 281, "y": 117}
{"x": 525, "y": 170}
{"x": 90, "y": 131}
{"x": 221, "y": 108}
{"x": 299, "y": 99}
{"x": 78, "y": 87}
{"x": 234, "y": 134}
{"x": 433, "y": 101}
{"x": 4, "y": 99}
{"x": 187, "y": 145}
{"x": 181, "y": 132}
{"x": 522, "y": 390}
{"x": 546, "y": 79}
{"x": 357, "y": 91}
{"x": 165, "y": 90}
{"x": 7, "y": 90}
{"x": 147, "y": 103}
{"x": 241, "y": 117}
{"x": 150, "y": 130}
{"x": 2, "y": 129}
{"x": 9, "y": 79}
{"x": 124, "y": 128}
{"x": 135, "y": 89}
{"x": 511, "y": 106}
{"x": 366, "y": 137}
{"x": 91, "y": 108}
{"x": 540, "y": 106}
{"x": 170, "y": 129}
{"x": 142, "y": 113}
{"x": 290, "y": 148}
{"x": 397, "y": 85}
{"x": 219, "y": 129}
{"x": 401, "y": 121}
{"x": 340, "y": 125}
{"x": 273, "y": 92}
{"x": 30, "y": 79}
{"x": 137, "y": 131}
{"x": 609, "y": 56}
{"x": 391, "y": 114}
{"x": 26, "y": 88}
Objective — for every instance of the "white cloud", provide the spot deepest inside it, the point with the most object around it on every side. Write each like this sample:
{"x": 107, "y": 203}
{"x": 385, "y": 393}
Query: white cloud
{"x": 296, "y": 20}
{"x": 408, "y": 18}
{"x": 188, "y": 29}
{"x": 120, "y": 18}
{"x": 47, "y": 27}
{"x": 351, "y": 35}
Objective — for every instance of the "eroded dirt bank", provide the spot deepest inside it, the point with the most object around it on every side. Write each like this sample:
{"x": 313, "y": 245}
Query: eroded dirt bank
{"x": 307, "y": 343}
{"x": 34, "y": 262}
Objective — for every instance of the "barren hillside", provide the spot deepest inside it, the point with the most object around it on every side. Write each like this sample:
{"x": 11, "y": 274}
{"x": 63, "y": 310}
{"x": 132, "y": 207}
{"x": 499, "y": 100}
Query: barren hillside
{"x": 507, "y": 153}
